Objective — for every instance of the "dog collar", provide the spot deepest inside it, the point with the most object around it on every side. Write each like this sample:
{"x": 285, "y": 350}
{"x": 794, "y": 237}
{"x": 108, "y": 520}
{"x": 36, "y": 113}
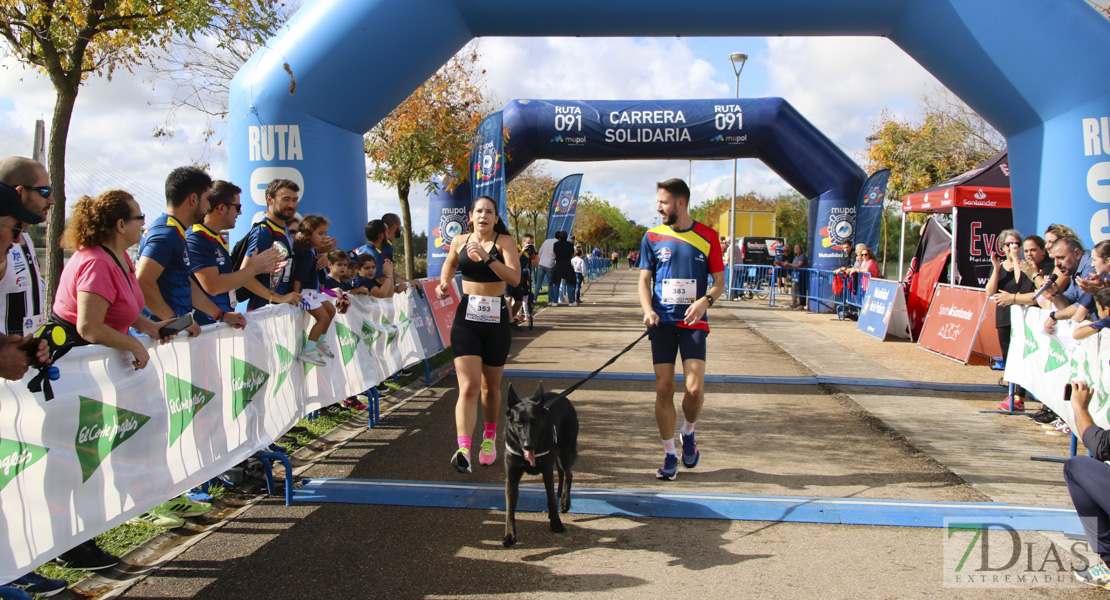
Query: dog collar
{"x": 515, "y": 453}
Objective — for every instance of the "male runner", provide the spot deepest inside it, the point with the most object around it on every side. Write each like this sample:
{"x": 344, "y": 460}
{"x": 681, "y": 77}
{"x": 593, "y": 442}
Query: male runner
{"x": 675, "y": 260}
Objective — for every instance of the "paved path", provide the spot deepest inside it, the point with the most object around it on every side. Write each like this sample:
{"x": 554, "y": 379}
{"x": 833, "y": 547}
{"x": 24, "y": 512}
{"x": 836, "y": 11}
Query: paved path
{"x": 756, "y": 439}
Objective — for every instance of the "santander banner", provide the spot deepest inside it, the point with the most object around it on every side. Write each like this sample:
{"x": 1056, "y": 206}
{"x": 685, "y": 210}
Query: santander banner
{"x": 443, "y": 311}
{"x": 952, "y": 322}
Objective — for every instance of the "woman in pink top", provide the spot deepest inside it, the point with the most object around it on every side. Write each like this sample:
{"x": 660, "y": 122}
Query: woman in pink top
{"x": 98, "y": 292}
{"x": 868, "y": 265}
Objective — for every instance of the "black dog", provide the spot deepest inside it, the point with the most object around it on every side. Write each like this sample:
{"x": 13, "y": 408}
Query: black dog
{"x": 541, "y": 436}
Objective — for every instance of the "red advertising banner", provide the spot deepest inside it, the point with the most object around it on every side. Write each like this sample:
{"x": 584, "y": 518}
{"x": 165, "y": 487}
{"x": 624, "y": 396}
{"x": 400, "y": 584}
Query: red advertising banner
{"x": 442, "y": 310}
{"x": 986, "y": 343}
{"x": 952, "y": 323}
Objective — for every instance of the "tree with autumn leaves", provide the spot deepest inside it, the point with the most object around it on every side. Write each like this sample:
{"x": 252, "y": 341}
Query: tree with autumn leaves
{"x": 597, "y": 223}
{"x": 429, "y": 135}
{"x": 528, "y": 197}
{"x": 71, "y": 40}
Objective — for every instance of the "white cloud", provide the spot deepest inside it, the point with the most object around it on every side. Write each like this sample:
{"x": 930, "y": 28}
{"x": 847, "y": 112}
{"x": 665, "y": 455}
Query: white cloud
{"x": 842, "y": 84}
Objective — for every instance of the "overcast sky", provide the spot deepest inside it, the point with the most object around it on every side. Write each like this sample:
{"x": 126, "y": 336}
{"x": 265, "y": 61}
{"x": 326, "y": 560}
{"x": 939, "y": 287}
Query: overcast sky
{"x": 840, "y": 84}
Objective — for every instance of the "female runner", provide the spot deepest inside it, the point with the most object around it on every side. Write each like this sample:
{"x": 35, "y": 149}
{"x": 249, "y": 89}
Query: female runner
{"x": 480, "y": 336}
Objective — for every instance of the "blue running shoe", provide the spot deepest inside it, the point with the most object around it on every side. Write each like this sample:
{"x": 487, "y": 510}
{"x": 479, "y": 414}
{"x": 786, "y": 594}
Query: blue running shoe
{"x": 1097, "y": 576}
{"x": 690, "y": 454}
{"x": 40, "y": 586}
{"x": 670, "y": 468}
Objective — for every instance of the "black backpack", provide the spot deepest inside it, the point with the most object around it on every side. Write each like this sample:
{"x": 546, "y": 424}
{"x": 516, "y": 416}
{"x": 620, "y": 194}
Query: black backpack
{"x": 238, "y": 253}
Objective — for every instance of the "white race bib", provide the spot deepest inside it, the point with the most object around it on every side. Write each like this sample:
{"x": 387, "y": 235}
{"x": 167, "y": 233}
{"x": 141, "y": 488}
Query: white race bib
{"x": 483, "y": 309}
{"x": 679, "y": 291}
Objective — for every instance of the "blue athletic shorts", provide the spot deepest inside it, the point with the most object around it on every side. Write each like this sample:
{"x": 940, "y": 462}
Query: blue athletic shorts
{"x": 667, "y": 339}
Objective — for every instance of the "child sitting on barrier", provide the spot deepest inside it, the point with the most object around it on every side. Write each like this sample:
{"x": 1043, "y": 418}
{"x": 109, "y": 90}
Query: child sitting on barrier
{"x": 312, "y": 234}
{"x": 1102, "y": 300}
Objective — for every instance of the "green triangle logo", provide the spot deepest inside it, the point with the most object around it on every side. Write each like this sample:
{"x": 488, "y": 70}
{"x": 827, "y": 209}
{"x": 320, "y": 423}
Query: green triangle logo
{"x": 1101, "y": 396}
{"x": 101, "y": 428}
{"x": 1056, "y": 356}
{"x": 348, "y": 341}
{"x": 405, "y": 322}
{"x": 246, "y": 381}
{"x": 369, "y": 335}
{"x": 391, "y": 331}
{"x": 15, "y": 457}
{"x": 1031, "y": 345}
{"x": 285, "y": 361}
{"x": 185, "y": 401}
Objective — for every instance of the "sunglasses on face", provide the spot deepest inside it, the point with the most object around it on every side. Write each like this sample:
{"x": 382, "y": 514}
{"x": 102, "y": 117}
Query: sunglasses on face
{"x": 138, "y": 217}
{"x": 43, "y": 190}
{"x": 238, "y": 207}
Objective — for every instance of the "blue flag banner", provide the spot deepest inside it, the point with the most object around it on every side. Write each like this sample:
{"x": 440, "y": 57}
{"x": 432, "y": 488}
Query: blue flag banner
{"x": 564, "y": 201}
{"x": 869, "y": 209}
{"x": 447, "y": 217}
{"x": 487, "y": 163}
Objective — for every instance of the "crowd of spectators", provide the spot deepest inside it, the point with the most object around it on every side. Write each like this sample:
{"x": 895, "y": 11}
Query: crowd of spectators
{"x": 185, "y": 276}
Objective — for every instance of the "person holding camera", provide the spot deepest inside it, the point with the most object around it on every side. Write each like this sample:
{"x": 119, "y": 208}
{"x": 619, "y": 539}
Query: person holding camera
{"x": 98, "y": 294}
{"x": 529, "y": 257}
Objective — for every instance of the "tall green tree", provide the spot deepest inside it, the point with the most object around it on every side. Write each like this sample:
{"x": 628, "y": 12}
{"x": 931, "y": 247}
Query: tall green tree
{"x": 71, "y": 40}
{"x": 429, "y": 135}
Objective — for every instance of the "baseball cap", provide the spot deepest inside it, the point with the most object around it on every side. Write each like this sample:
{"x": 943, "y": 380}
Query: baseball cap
{"x": 11, "y": 204}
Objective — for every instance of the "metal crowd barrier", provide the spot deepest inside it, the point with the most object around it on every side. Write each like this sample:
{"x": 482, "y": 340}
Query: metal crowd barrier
{"x": 811, "y": 288}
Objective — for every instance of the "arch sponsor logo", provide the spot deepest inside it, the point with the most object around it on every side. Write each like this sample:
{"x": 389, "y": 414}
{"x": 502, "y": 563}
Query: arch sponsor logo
{"x": 452, "y": 222}
{"x": 262, "y": 176}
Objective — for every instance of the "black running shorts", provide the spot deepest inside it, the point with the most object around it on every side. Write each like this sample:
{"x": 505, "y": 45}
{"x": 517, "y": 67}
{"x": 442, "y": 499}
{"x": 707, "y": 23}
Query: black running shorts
{"x": 667, "y": 339}
{"x": 491, "y": 341}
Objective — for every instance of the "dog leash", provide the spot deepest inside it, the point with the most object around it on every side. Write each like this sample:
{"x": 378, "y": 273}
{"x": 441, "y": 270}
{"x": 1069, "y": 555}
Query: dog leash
{"x": 568, "y": 391}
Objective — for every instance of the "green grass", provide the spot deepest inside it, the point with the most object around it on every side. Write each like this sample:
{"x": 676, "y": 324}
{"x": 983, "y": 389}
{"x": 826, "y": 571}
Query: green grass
{"x": 119, "y": 541}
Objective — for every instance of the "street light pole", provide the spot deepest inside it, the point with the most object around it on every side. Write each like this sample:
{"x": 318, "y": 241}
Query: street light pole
{"x": 737, "y": 59}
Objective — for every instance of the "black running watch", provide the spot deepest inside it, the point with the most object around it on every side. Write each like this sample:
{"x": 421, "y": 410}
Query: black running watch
{"x": 710, "y": 299}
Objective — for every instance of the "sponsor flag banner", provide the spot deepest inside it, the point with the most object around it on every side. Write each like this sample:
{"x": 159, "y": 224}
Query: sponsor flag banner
{"x": 116, "y": 442}
{"x": 447, "y": 217}
{"x": 927, "y": 268}
{"x": 884, "y": 310}
{"x": 952, "y": 322}
{"x": 869, "y": 209}
{"x": 986, "y": 344}
{"x": 487, "y": 163}
{"x": 977, "y": 232}
{"x": 564, "y": 200}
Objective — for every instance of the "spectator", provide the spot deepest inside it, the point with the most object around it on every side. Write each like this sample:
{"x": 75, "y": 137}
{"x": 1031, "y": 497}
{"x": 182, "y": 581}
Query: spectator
{"x": 528, "y": 258}
{"x": 393, "y": 232}
{"x": 312, "y": 235}
{"x": 1052, "y": 234}
{"x": 1088, "y": 481}
{"x": 210, "y": 259}
{"x": 365, "y": 277}
{"x": 337, "y": 278}
{"x": 544, "y": 266}
{"x": 562, "y": 274}
{"x": 1037, "y": 266}
{"x": 785, "y": 258}
{"x": 866, "y": 266}
{"x": 1073, "y": 262}
{"x": 579, "y": 266}
{"x": 850, "y": 259}
{"x": 163, "y": 269}
{"x": 24, "y": 307}
{"x": 801, "y": 261}
{"x": 1102, "y": 303}
{"x": 13, "y": 348}
{"x": 1006, "y": 283}
{"x": 98, "y": 293}
{"x": 281, "y": 210}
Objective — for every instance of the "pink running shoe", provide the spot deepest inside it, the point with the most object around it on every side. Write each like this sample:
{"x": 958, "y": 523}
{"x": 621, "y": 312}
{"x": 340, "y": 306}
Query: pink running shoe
{"x": 488, "y": 453}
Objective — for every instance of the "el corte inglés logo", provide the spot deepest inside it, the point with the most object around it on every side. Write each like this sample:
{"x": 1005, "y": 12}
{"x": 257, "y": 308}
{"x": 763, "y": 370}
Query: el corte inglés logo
{"x": 347, "y": 341}
{"x": 246, "y": 381}
{"x": 101, "y": 428}
{"x": 285, "y": 362}
{"x": 1056, "y": 356}
{"x": 184, "y": 400}
{"x": 15, "y": 457}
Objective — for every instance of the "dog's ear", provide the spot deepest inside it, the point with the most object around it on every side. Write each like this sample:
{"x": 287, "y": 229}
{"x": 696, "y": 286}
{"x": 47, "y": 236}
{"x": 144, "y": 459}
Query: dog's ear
{"x": 539, "y": 390}
{"x": 511, "y": 399}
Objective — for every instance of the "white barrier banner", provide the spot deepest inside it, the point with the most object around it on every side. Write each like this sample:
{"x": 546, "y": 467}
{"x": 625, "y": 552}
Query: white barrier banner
{"x": 115, "y": 442}
{"x": 1044, "y": 364}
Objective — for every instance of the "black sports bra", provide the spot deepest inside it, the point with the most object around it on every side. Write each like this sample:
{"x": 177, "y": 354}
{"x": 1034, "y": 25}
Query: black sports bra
{"x": 478, "y": 271}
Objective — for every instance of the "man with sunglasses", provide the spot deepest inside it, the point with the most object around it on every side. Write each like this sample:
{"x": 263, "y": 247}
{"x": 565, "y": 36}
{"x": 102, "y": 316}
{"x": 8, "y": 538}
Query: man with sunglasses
{"x": 210, "y": 259}
{"x": 22, "y": 292}
{"x": 13, "y": 348}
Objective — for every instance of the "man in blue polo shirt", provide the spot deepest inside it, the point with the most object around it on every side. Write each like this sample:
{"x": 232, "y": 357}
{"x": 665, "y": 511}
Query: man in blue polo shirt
{"x": 210, "y": 259}
{"x": 676, "y": 260}
{"x": 393, "y": 232}
{"x": 163, "y": 270}
{"x": 281, "y": 206}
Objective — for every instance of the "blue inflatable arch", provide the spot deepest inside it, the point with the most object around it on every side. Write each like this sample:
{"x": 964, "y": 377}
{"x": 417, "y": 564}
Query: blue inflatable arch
{"x": 1035, "y": 70}
{"x": 769, "y": 129}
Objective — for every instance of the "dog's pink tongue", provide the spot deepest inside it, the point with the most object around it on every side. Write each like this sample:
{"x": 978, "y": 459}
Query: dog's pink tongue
{"x": 530, "y": 456}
